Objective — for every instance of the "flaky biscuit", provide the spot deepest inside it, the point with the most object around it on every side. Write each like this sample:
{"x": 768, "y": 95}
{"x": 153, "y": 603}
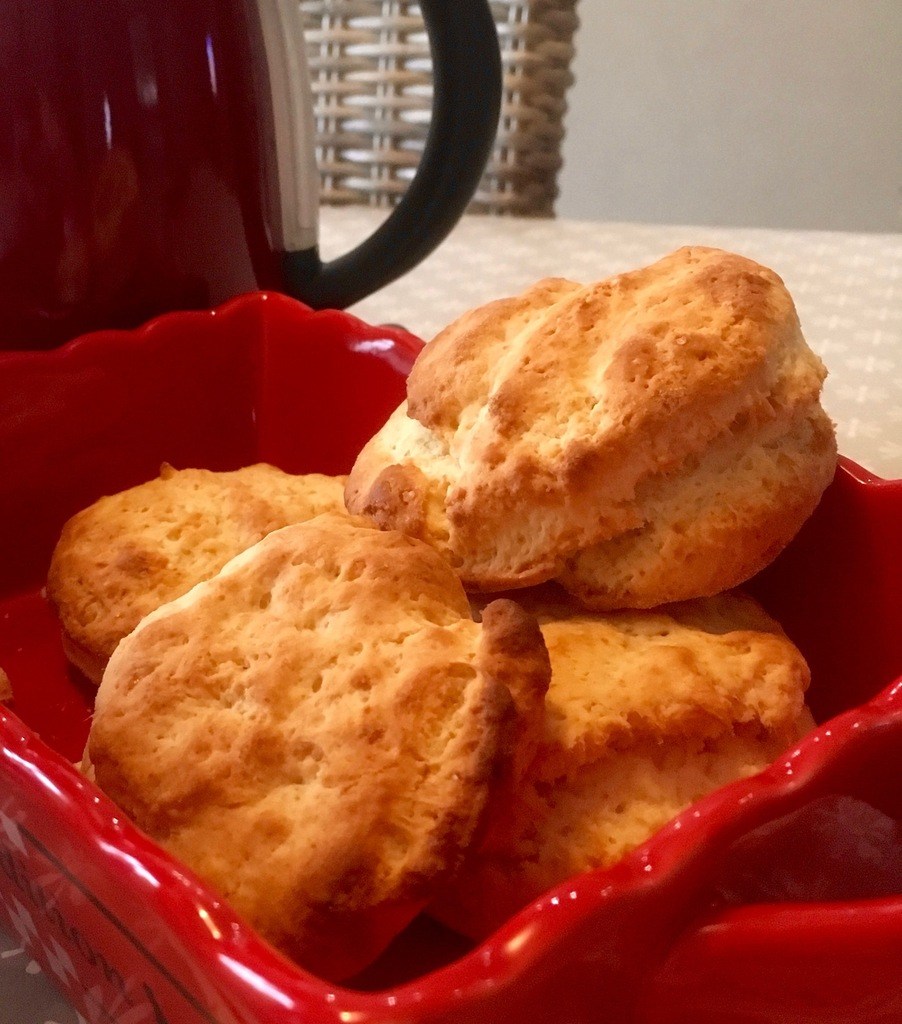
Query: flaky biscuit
{"x": 130, "y": 552}
{"x": 592, "y": 819}
{"x": 315, "y": 731}
{"x": 697, "y": 669}
{"x": 652, "y": 437}
{"x": 646, "y": 713}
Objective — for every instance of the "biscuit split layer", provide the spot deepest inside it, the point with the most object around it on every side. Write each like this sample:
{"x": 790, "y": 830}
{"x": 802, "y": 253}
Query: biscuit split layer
{"x": 130, "y": 552}
{"x": 316, "y": 731}
{"x": 653, "y": 437}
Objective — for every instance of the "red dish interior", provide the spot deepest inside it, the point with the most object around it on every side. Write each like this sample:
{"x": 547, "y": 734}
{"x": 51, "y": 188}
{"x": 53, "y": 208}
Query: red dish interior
{"x": 666, "y": 935}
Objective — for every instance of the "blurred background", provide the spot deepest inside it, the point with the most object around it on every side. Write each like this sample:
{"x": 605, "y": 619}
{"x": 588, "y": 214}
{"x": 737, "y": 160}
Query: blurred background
{"x": 774, "y": 113}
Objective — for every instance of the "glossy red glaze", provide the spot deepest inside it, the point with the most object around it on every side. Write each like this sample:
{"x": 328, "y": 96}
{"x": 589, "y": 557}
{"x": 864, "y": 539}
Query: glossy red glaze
{"x": 131, "y": 164}
{"x": 778, "y": 898}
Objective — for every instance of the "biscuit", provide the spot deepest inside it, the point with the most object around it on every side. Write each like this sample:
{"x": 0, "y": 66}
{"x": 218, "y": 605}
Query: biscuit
{"x": 646, "y": 713}
{"x": 128, "y": 553}
{"x": 654, "y": 437}
{"x": 316, "y": 730}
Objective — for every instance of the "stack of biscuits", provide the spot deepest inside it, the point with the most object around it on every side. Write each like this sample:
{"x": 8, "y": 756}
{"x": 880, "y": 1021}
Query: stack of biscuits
{"x": 507, "y": 649}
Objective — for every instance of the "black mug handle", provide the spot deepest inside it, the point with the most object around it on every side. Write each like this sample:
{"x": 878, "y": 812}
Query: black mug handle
{"x": 466, "y": 104}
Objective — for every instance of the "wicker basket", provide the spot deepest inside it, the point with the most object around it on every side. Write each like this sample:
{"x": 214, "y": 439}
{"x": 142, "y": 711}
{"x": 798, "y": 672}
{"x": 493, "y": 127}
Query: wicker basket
{"x": 371, "y": 77}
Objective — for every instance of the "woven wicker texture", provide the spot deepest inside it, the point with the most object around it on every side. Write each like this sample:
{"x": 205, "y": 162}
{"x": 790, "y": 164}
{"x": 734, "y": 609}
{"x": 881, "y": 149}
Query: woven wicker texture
{"x": 371, "y": 76}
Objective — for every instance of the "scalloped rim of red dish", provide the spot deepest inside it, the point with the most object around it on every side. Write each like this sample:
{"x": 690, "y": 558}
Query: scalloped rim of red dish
{"x": 664, "y": 862}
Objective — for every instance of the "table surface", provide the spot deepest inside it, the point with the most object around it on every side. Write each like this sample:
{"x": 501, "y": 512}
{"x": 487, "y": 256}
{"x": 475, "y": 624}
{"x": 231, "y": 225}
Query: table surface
{"x": 847, "y": 287}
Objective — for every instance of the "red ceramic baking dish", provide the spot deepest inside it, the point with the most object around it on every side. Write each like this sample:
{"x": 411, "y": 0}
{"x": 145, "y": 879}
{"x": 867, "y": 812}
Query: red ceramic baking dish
{"x": 778, "y": 898}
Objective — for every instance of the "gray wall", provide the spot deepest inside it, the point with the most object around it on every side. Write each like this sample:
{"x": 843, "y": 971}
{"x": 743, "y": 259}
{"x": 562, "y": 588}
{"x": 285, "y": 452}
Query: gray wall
{"x": 776, "y": 113}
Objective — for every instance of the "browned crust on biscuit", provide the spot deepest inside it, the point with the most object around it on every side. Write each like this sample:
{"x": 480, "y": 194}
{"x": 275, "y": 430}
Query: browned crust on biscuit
{"x": 697, "y": 669}
{"x": 316, "y": 731}
{"x": 646, "y": 712}
{"x": 396, "y": 500}
{"x": 453, "y": 368}
{"x": 592, "y": 818}
{"x": 513, "y": 652}
{"x": 130, "y": 552}
{"x": 540, "y": 417}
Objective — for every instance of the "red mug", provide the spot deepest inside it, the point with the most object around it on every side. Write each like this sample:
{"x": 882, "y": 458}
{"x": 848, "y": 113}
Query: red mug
{"x": 158, "y": 155}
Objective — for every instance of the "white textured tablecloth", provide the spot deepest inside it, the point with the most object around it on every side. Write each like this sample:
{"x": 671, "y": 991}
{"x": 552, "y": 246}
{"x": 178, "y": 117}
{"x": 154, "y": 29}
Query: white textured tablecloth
{"x": 847, "y": 287}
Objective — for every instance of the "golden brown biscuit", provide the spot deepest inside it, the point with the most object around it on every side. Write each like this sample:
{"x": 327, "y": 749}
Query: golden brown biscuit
{"x": 652, "y": 437}
{"x": 315, "y": 731}
{"x": 696, "y": 669}
{"x": 646, "y": 713}
{"x": 131, "y": 552}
